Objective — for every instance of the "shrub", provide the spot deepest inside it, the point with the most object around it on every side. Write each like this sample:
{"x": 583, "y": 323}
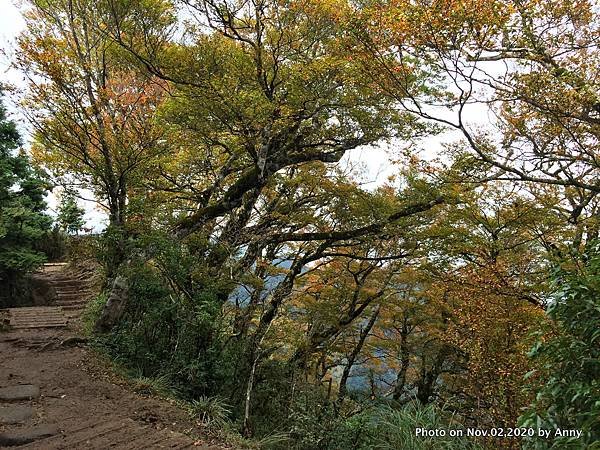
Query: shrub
{"x": 92, "y": 312}
{"x": 151, "y": 386}
{"x": 211, "y": 412}
{"x": 165, "y": 333}
{"x": 569, "y": 360}
{"x": 54, "y": 244}
{"x": 385, "y": 427}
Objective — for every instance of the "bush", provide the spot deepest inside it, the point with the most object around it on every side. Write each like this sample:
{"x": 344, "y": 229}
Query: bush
{"x": 92, "y": 312}
{"x": 384, "y": 427}
{"x": 54, "y": 244}
{"x": 569, "y": 360}
{"x": 164, "y": 333}
{"x": 174, "y": 330}
{"x": 84, "y": 248}
{"x": 210, "y": 412}
{"x": 151, "y": 386}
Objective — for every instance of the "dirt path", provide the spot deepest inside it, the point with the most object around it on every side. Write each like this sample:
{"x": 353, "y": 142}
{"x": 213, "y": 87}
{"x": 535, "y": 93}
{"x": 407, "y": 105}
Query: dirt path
{"x": 56, "y": 396}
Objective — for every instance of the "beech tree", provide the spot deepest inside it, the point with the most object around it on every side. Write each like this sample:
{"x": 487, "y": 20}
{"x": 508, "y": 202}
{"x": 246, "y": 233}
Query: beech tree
{"x": 531, "y": 65}
{"x": 93, "y": 116}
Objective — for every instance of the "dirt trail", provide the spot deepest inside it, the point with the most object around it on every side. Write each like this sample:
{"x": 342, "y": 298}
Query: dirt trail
{"x": 55, "y": 394}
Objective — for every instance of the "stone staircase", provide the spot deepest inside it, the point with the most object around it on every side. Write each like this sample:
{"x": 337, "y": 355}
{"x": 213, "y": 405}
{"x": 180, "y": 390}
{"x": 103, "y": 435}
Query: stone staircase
{"x": 72, "y": 293}
{"x": 31, "y": 413}
{"x": 37, "y": 317}
{"x": 71, "y": 296}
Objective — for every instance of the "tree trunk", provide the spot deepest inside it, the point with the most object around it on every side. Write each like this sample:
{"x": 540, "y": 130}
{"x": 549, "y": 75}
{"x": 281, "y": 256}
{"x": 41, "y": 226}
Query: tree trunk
{"x": 404, "y": 362}
{"x": 364, "y": 333}
{"x": 426, "y": 385}
{"x": 246, "y": 428}
{"x": 115, "y": 251}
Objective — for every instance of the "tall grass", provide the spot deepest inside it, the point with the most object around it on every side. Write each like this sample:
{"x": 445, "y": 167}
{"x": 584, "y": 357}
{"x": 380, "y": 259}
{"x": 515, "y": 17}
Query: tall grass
{"x": 396, "y": 428}
{"x": 385, "y": 427}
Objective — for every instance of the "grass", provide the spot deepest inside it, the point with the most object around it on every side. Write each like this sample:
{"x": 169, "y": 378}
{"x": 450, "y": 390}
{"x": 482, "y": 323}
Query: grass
{"x": 159, "y": 386}
{"x": 92, "y": 312}
{"x": 210, "y": 412}
{"x": 395, "y": 428}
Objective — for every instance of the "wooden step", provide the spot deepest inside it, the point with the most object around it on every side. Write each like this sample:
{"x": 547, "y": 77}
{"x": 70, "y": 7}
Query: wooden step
{"x": 77, "y": 307}
{"x": 70, "y": 301}
{"x": 119, "y": 433}
{"x": 37, "y": 317}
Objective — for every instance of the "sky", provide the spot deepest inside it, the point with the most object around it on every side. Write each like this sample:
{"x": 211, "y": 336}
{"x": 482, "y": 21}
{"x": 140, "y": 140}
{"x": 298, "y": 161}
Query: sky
{"x": 11, "y": 23}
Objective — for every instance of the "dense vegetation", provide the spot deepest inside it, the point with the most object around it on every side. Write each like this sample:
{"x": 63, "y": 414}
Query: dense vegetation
{"x": 249, "y": 269}
{"x": 22, "y": 217}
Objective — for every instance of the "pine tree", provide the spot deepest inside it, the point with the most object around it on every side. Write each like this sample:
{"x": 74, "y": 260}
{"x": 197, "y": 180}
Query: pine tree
{"x": 22, "y": 206}
{"x": 70, "y": 215}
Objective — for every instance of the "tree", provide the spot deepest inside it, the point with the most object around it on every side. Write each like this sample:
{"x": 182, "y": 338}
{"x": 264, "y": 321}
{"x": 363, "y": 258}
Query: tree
{"x": 568, "y": 357}
{"x": 22, "y": 205}
{"x": 531, "y": 65}
{"x": 265, "y": 86}
{"x": 70, "y": 215}
{"x": 473, "y": 294}
{"x": 93, "y": 115}
{"x": 253, "y": 105}
{"x": 485, "y": 323}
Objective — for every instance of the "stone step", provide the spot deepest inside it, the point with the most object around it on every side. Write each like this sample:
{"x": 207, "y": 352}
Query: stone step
{"x": 79, "y": 293}
{"x": 15, "y": 414}
{"x": 76, "y": 307}
{"x": 41, "y": 325}
{"x": 67, "y": 289}
{"x": 120, "y": 433}
{"x": 26, "y": 309}
{"x": 75, "y": 301}
{"x": 19, "y": 392}
{"x": 27, "y": 435}
{"x": 79, "y": 290}
{"x": 70, "y": 298}
{"x": 33, "y": 314}
{"x": 36, "y": 319}
{"x": 66, "y": 284}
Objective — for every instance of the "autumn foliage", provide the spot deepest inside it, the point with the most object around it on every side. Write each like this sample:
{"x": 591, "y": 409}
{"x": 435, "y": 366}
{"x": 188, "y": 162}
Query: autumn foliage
{"x": 255, "y": 265}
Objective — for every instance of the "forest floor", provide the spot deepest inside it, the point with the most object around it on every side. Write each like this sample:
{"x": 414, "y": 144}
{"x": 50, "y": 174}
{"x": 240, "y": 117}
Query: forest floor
{"x": 57, "y": 394}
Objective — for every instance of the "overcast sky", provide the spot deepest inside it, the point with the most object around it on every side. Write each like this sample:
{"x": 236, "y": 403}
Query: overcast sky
{"x": 11, "y": 23}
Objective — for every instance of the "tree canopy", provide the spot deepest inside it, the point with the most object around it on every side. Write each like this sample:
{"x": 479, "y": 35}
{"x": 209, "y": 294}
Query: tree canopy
{"x": 250, "y": 264}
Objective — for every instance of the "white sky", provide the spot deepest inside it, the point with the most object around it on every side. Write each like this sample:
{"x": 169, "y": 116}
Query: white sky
{"x": 11, "y": 23}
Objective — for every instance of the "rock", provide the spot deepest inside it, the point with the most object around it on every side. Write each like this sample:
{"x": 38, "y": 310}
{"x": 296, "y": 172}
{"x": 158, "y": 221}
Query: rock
{"x": 115, "y": 306}
{"x": 19, "y": 392}
{"x": 69, "y": 342}
{"x": 15, "y": 414}
{"x": 24, "y": 436}
{"x": 42, "y": 292}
